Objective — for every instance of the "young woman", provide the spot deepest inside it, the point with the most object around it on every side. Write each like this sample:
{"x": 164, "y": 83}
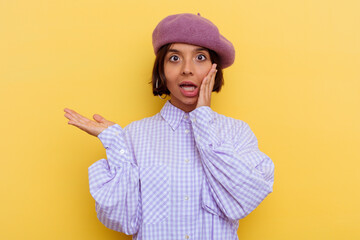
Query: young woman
{"x": 186, "y": 172}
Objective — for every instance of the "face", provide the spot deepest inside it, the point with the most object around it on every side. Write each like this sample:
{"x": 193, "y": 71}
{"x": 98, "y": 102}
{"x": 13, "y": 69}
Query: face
{"x": 185, "y": 67}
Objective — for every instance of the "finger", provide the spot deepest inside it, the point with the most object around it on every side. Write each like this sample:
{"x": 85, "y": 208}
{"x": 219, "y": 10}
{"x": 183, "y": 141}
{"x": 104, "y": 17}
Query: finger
{"x": 213, "y": 67}
{"x": 207, "y": 75}
{"x": 69, "y": 113}
{"x": 71, "y": 117}
{"x": 103, "y": 122}
{"x": 68, "y": 116}
{"x": 209, "y": 81}
{"x": 74, "y": 114}
{"x": 206, "y": 90}
{"x": 99, "y": 118}
{"x": 205, "y": 84}
{"x": 80, "y": 118}
{"x": 210, "y": 85}
{"x": 88, "y": 126}
{"x": 212, "y": 82}
{"x": 202, "y": 89}
{"x": 78, "y": 125}
{"x": 211, "y": 72}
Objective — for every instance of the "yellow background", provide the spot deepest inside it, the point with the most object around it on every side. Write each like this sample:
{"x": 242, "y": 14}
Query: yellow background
{"x": 295, "y": 80}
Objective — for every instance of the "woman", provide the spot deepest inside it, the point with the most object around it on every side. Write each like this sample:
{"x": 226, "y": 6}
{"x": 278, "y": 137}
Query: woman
{"x": 186, "y": 172}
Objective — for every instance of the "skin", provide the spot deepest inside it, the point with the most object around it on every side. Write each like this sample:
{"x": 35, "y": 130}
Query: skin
{"x": 188, "y": 63}
{"x": 185, "y": 62}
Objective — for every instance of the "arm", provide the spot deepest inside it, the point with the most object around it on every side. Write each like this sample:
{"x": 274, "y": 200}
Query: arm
{"x": 114, "y": 183}
{"x": 238, "y": 175}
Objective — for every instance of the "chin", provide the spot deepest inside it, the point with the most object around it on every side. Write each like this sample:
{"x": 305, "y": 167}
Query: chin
{"x": 191, "y": 101}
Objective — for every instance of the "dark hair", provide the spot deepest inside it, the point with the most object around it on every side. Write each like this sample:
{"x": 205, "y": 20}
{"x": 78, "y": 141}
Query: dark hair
{"x": 158, "y": 72}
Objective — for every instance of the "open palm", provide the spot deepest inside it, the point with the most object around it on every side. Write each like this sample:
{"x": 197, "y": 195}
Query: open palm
{"x": 90, "y": 126}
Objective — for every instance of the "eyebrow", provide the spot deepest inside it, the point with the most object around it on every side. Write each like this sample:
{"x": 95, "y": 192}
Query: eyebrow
{"x": 195, "y": 50}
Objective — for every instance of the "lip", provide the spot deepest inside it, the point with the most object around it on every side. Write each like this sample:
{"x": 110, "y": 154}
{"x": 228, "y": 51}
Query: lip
{"x": 193, "y": 93}
{"x": 187, "y": 82}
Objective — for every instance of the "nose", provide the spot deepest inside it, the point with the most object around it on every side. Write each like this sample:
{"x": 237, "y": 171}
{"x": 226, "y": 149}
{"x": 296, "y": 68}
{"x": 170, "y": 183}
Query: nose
{"x": 187, "y": 68}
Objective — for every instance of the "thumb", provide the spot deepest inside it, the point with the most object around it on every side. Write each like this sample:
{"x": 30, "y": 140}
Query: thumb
{"x": 98, "y": 118}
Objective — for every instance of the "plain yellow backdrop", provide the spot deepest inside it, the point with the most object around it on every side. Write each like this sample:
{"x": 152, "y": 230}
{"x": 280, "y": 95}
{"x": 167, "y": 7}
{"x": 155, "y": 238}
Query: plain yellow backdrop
{"x": 295, "y": 81}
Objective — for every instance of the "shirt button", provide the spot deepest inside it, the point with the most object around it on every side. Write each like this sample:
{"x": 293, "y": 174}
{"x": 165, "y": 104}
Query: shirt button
{"x": 194, "y": 119}
{"x": 186, "y": 116}
{"x": 186, "y": 198}
{"x": 122, "y": 151}
{"x": 117, "y": 133}
{"x": 187, "y": 237}
{"x": 187, "y": 131}
{"x": 187, "y": 160}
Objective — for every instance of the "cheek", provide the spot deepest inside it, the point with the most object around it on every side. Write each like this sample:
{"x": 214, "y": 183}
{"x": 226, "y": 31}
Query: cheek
{"x": 204, "y": 72}
{"x": 170, "y": 74}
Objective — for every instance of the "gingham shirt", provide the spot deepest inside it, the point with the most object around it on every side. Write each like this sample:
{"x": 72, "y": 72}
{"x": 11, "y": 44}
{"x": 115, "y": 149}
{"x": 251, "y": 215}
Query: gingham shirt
{"x": 180, "y": 175}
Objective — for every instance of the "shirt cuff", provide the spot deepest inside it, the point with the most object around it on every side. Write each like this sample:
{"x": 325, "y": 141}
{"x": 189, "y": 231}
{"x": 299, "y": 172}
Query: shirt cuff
{"x": 109, "y": 135}
{"x": 203, "y": 121}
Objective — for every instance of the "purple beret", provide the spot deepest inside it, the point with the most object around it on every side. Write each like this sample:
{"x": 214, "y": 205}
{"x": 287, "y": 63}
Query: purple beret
{"x": 196, "y": 30}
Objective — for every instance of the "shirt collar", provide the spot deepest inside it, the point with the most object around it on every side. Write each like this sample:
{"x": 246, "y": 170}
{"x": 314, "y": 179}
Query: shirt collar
{"x": 172, "y": 115}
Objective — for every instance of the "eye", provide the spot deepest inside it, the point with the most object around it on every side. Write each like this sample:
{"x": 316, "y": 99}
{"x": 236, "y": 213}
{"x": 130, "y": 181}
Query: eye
{"x": 201, "y": 57}
{"x": 174, "y": 58}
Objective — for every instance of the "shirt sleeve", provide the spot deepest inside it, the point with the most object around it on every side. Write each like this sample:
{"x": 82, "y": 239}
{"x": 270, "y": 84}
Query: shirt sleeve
{"x": 114, "y": 183}
{"x": 238, "y": 175}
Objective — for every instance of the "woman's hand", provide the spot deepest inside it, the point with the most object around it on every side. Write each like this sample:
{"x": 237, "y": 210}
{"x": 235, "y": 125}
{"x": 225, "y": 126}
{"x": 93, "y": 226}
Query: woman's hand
{"x": 206, "y": 88}
{"x": 91, "y": 127}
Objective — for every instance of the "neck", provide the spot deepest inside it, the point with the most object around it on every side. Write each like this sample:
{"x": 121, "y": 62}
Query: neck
{"x": 186, "y": 108}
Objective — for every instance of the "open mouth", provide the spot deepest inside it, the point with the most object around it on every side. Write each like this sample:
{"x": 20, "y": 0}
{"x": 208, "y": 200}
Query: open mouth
{"x": 188, "y": 89}
{"x": 188, "y": 86}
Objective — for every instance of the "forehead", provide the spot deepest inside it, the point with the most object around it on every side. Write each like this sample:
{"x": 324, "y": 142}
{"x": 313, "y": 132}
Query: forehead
{"x": 185, "y": 47}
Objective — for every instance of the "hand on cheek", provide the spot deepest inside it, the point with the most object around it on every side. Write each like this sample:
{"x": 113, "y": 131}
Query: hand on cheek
{"x": 206, "y": 88}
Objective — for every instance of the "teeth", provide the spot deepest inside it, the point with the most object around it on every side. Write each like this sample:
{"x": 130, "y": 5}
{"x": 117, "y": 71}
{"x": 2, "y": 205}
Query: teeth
{"x": 188, "y": 88}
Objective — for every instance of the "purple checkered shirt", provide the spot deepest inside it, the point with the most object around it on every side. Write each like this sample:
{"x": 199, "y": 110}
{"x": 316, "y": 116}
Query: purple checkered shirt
{"x": 180, "y": 175}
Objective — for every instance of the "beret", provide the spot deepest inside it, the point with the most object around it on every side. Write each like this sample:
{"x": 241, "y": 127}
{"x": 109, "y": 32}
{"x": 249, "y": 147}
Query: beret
{"x": 196, "y": 30}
